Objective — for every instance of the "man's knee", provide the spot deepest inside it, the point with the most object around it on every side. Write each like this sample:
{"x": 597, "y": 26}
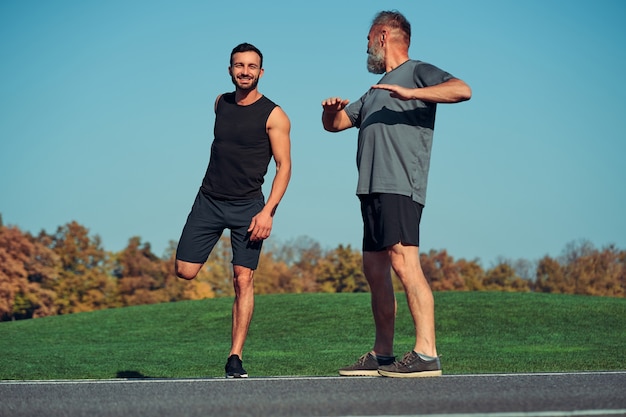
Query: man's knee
{"x": 186, "y": 270}
{"x": 376, "y": 265}
{"x": 242, "y": 277}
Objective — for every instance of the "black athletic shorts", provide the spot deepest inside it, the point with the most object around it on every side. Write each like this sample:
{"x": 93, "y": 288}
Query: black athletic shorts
{"x": 206, "y": 223}
{"x": 389, "y": 219}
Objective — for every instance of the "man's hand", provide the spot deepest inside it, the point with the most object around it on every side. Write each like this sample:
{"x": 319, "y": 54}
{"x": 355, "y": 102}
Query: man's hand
{"x": 333, "y": 118}
{"x": 334, "y": 104}
{"x": 396, "y": 91}
{"x": 260, "y": 227}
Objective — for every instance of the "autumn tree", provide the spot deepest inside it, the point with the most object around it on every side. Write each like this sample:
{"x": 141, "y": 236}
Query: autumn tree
{"x": 341, "y": 271}
{"x": 590, "y": 271}
{"x": 502, "y": 277}
{"x": 24, "y": 265}
{"x": 140, "y": 273}
{"x": 441, "y": 271}
{"x": 83, "y": 282}
{"x": 273, "y": 276}
{"x": 570, "y": 259}
{"x": 472, "y": 273}
{"x": 301, "y": 256}
{"x": 549, "y": 276}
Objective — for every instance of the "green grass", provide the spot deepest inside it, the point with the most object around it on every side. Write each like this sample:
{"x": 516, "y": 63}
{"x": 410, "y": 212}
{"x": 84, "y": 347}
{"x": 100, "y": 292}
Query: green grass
{"x": 314, "y": 334}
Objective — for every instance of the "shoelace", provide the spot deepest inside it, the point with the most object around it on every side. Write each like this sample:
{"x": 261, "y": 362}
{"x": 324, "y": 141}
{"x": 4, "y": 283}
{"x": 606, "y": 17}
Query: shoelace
{"x": 406, "y": 358}
{"x": 363, "y": 359}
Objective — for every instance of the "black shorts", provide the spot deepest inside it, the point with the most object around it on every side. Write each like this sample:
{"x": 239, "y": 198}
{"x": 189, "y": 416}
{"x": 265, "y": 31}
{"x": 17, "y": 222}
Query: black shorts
{"x": 389, "y": 219}
{"x": 206, "y": 223}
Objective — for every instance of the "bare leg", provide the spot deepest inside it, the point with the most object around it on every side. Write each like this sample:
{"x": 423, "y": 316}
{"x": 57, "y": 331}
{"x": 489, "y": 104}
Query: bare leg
{"x": 405, "y": 262}
{"x": 243, "y": 307}
{"x": 187, "y": 270}
{"x": 377, "y": 269}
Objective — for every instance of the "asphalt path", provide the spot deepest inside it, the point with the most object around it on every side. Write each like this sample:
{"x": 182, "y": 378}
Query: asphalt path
{"x": 508, "y": 395}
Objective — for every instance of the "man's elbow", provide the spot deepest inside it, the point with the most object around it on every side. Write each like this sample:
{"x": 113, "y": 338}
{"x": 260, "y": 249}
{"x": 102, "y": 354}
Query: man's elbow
{"x": 463, "y": 91}
{"x": 466, "y": 93}
{"x": 283, "y": 166}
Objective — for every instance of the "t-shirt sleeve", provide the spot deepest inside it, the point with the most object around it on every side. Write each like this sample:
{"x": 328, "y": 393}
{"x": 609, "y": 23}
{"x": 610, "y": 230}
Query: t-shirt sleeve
{"x": 426, "y": 75}
{"x": 353, "y": 110}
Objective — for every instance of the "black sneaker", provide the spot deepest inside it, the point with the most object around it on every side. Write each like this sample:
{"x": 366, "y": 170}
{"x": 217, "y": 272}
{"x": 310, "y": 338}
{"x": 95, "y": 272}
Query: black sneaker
{"x": 412, "y": 366}
{"x": 366, "y": 365}
{"x": 234, "y": 368}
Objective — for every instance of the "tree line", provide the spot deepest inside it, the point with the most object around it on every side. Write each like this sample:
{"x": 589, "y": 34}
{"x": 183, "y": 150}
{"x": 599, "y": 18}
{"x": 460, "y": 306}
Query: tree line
{"x": 69, "y": 271}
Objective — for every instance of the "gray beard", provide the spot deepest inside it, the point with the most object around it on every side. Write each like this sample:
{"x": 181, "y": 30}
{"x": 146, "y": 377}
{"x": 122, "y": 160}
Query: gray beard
{"x": 375, "y": 63}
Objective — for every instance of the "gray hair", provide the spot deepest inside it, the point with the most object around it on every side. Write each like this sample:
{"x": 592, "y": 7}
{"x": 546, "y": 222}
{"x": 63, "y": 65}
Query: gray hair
{"x": 394, "y": 20}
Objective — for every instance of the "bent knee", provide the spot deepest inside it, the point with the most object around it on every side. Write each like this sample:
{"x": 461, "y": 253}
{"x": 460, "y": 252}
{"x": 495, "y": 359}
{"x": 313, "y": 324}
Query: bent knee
{"x": 186, "y": 270}
{"x": 184, "y": 275}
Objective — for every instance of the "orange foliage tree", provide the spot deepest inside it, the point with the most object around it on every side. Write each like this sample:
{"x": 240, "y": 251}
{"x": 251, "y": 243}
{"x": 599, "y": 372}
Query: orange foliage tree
{"x": 442, "y": 271}
{"x": 24, "y": 265}
{"x": 83, "y": 282}
{"x": 341, "y": 271}
{"x": 140, "y": 273}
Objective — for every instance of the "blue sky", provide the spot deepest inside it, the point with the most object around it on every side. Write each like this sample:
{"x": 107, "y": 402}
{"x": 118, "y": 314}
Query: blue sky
{"x": 106, "y": 117}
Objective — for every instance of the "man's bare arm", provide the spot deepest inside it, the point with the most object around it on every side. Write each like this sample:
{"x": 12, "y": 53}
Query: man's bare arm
{"x": 334, "y": 119}
{"x": 451, "y": 91}
{"x": 278, "y": 128}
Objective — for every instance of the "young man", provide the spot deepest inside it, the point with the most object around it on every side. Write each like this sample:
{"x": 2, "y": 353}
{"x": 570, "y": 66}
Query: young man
{"x": 249, "y": 130}
{"x": 395, "y": 119}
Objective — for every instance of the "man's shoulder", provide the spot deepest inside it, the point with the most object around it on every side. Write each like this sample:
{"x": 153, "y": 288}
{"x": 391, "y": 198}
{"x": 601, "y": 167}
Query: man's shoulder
{"x": 426, "y": 67}
{"x": 418, "y": 65}
{"x": 269, "y": 101}
{"x": 227, "y": 97}
{"x": 427, "y": 74}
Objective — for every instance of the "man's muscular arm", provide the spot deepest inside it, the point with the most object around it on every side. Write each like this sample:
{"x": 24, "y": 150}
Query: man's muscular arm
{"x": 278, "y": 128}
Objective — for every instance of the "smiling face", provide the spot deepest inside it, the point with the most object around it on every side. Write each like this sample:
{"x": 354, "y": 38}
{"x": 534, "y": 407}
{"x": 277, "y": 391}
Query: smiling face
{"x": 245, "y": 70}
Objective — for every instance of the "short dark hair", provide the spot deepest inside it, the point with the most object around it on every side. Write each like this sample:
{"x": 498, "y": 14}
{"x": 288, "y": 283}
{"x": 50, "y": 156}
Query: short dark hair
{"x": 394, "y": 19}
{"x": 245, "y": 47}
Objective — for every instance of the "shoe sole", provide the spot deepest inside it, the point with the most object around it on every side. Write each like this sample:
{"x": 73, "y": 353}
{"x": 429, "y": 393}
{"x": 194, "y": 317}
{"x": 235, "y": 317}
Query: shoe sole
{"x": 236, "y": 376}
{"x": 421, "y": 374}
{"x": 359, "y": 373}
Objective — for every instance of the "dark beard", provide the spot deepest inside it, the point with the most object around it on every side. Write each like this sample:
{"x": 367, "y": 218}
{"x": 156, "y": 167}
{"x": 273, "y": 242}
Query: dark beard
{"x": 251, "y": 87}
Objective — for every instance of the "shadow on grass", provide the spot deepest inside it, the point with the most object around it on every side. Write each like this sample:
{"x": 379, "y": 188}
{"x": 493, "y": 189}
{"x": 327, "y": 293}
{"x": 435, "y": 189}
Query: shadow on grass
{"x": 130, "y": 375}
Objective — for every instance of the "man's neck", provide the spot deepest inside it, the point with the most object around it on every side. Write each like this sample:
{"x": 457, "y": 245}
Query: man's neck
{"x": 247, "y": 97}
{"x": 394, "y": 58}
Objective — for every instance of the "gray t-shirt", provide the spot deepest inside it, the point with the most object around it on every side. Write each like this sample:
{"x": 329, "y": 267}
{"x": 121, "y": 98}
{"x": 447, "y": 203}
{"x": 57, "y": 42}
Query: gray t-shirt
{"x": 395, "y": 136}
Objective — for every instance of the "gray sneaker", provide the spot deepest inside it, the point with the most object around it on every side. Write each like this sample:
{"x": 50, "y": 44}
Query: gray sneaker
{"x": 366, "y": 365}
{"x": 412, "y": 366}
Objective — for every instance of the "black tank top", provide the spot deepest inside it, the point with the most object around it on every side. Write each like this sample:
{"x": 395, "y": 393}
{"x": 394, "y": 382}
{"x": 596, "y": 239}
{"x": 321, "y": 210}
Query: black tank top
{"x": 241, "y": 150}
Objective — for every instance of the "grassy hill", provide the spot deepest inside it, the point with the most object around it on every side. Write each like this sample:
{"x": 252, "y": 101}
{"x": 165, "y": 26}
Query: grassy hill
{"x": 315, "y": 334}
